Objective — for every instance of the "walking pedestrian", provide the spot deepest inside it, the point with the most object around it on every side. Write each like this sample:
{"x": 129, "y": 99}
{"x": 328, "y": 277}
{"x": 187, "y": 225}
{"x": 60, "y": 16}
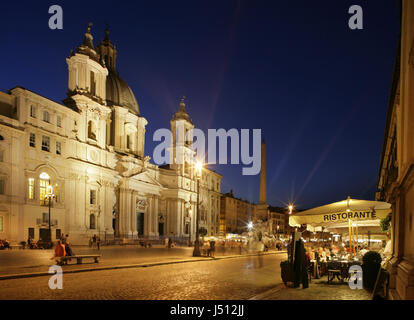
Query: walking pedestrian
{"x": 98, "y": 242}
{"x": 212, "y": 248}
{"x": 94, "y": 241}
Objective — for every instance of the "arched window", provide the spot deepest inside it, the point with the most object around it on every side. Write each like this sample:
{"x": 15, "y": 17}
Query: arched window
{"x": 44, "y": 182}
{"x": 91, "y": 130}
{"x": 92, "y": 221}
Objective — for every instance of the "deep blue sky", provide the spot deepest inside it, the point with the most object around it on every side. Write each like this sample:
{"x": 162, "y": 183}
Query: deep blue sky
{"x": 318, "y": 90}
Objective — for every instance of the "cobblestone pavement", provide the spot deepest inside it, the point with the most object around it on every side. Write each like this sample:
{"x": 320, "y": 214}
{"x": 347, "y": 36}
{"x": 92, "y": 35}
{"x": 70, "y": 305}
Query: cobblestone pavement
{"x": 27, "y": 261}
{"x": 318, "y": 290}
{"x": 240, "y": 278}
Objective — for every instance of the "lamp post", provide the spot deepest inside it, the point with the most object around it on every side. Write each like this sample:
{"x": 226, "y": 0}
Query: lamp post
{"x": 189, "y": 226}
{"x": 49, "y": 196}
{"x": 290, "y": 207}
{"x": 198, "y": 169}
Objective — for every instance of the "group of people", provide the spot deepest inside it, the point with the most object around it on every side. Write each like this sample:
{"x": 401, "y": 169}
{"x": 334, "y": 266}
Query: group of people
{"x": 210, "y": 248}
{"x": 63, "y": 248}
{"x": 32, "y": 244}
{"x": 4, "y": 244}
{"x": 95, "y": 242}
{"x": 169, "y": 242}
{"x": 333, "y": 252}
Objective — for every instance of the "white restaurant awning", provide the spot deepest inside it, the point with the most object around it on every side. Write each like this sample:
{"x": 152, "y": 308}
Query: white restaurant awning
{"x": 338, "y": 213}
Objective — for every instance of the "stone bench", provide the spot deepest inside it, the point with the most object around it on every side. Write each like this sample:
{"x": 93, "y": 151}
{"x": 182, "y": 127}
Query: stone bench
{"x": 78, "y": 258}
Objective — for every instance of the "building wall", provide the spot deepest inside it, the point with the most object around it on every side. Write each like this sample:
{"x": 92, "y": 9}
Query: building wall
{"x": 396, "y": 178}
{"x": 235, "y": 214}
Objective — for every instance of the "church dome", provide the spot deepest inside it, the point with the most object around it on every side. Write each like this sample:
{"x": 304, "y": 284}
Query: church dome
{"x": 119, "y": 93}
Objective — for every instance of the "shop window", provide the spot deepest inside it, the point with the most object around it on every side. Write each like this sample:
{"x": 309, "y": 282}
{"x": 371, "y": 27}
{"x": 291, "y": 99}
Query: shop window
{"x": 1, "y": 186}
{"x": 1, "y": 224}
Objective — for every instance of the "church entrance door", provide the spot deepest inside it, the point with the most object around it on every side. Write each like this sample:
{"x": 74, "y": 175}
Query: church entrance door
{"x": 140, "y": 223}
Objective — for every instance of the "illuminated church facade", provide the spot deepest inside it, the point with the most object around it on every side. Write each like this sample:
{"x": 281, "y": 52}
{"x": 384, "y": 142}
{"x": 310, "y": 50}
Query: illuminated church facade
{"x": 91, "y": 150}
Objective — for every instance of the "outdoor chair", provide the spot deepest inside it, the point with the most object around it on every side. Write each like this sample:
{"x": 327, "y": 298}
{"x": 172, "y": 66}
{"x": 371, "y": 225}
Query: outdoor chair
{"x": 310, "y": 271}
{"x": 334, "y": 270}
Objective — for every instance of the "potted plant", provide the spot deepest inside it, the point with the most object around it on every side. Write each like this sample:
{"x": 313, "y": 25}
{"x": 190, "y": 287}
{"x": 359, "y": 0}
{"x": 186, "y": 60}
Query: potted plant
{"x": 371, "y": 265}
{"x": 385, "y": 223}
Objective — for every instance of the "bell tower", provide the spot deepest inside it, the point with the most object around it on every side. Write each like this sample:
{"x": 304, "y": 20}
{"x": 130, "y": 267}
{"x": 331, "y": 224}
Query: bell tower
{"x": 107, "y": 51}
{"x": 181, "y": 151}
{"x": 87, "y": 73}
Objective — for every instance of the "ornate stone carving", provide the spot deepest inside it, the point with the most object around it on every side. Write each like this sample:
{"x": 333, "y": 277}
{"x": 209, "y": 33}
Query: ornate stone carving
{"x": 141, "y": 204}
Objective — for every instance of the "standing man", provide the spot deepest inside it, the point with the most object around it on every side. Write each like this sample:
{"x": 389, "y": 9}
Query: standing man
{"x": 94, "y": 241}
{"x": 300, "y": 266}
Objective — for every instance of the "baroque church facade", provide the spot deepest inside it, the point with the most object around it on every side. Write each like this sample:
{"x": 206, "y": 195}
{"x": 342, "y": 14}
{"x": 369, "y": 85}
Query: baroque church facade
{"x": 91, "y": 150}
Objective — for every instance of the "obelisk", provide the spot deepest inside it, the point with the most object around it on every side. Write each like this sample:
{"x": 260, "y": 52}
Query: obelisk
{"x": 262, "y": 207}
{"x": 263, "y": 174}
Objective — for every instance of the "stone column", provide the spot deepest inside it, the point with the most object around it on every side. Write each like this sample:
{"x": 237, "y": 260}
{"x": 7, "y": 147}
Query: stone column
{"x": 263, "y": 175}
{"x": 155, "y": 217}
{"x": 178, "y": 215}
{"x": 133, "y": 215}
{"x": 150, "y": 215}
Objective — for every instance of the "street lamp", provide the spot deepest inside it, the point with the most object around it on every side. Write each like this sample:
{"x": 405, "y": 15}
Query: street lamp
{"x": 190, "y": 212}
{"x": 198, "y": 169}
{"x": 250, "y": 225}
{"x": 50, "y": 196}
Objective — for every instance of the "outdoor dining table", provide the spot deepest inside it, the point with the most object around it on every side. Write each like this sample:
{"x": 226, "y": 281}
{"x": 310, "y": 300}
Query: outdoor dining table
{"x": 325, "y": 265}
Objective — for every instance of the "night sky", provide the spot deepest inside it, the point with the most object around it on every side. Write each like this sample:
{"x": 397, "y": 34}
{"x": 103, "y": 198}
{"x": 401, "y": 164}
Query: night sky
{"x": 317, "y": 89}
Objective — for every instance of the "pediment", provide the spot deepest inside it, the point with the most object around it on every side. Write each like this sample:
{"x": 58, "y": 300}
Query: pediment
{"x": 146, "y": 177}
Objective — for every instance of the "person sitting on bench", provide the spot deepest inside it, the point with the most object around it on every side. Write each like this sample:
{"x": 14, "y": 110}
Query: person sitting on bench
{"x": 68, "y": 251}
{"x": 59, "y": 251}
